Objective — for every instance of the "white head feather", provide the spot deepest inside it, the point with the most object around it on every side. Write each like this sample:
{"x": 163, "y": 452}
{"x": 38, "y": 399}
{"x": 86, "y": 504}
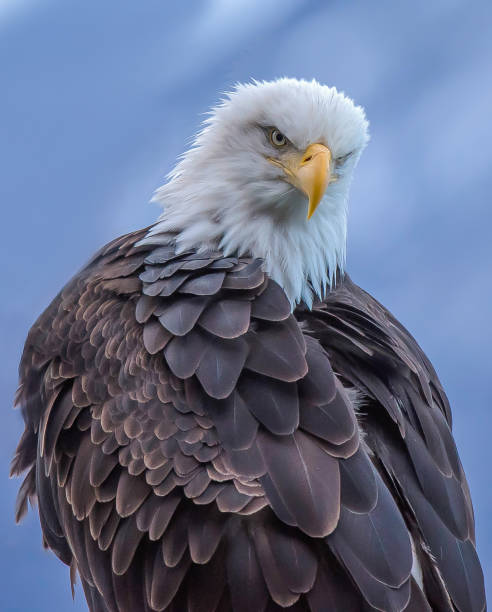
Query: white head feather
{"x": 224, "y": 193}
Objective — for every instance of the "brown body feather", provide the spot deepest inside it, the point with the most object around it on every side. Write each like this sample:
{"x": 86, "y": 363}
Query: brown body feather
{"x": 192, "y": 444}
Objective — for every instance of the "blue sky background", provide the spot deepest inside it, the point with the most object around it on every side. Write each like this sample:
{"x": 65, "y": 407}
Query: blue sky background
{"x": 98, "y": 97}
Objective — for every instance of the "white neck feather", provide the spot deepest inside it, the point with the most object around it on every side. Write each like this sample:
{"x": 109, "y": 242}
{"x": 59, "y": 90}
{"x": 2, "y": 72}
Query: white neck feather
{"x": 301, "y": 255}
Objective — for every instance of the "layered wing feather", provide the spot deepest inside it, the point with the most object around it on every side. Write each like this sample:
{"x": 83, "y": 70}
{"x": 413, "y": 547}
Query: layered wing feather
{"x": 408, "y": 425}
{"x": 191, "y": 447}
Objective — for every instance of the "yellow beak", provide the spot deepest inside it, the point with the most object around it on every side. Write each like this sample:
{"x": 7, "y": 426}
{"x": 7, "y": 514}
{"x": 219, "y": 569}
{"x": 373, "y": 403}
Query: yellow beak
{"x": 309, "y": 172}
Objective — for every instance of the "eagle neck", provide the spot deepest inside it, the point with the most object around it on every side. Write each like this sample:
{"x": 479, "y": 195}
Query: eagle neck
{"x": 302, "y": 256}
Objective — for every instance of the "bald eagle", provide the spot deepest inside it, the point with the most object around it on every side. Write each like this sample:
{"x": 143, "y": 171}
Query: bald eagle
{"x": 219, "y": 419}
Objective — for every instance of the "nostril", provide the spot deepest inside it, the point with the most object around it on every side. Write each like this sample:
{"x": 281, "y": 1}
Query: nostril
{"x": 308, "y": 158}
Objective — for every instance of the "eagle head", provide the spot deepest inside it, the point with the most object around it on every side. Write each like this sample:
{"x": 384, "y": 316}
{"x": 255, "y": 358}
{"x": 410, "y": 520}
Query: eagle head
{"x": 268, "y": 175}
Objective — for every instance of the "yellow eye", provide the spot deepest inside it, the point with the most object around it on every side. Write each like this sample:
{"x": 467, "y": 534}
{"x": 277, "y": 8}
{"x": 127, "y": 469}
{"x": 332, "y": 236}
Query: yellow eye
{"x": 277, "y": 138}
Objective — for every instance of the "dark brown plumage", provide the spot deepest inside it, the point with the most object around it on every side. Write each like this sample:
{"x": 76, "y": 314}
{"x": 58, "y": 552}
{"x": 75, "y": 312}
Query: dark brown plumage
{"x": 195, "y": 446}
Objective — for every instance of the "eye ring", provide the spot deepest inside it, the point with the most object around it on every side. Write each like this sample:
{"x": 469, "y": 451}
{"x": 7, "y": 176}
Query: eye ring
{"x": 277, "y": 139}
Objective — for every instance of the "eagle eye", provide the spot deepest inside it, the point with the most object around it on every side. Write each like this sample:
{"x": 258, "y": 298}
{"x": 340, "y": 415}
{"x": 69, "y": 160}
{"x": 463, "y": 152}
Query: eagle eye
{"x": 277, "y": 138}
{"x": 341, "y": 160}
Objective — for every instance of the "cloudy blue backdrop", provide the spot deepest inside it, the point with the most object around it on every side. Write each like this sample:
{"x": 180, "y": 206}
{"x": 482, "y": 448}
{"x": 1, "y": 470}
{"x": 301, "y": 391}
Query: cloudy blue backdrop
{"x": 98, "y": 97}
